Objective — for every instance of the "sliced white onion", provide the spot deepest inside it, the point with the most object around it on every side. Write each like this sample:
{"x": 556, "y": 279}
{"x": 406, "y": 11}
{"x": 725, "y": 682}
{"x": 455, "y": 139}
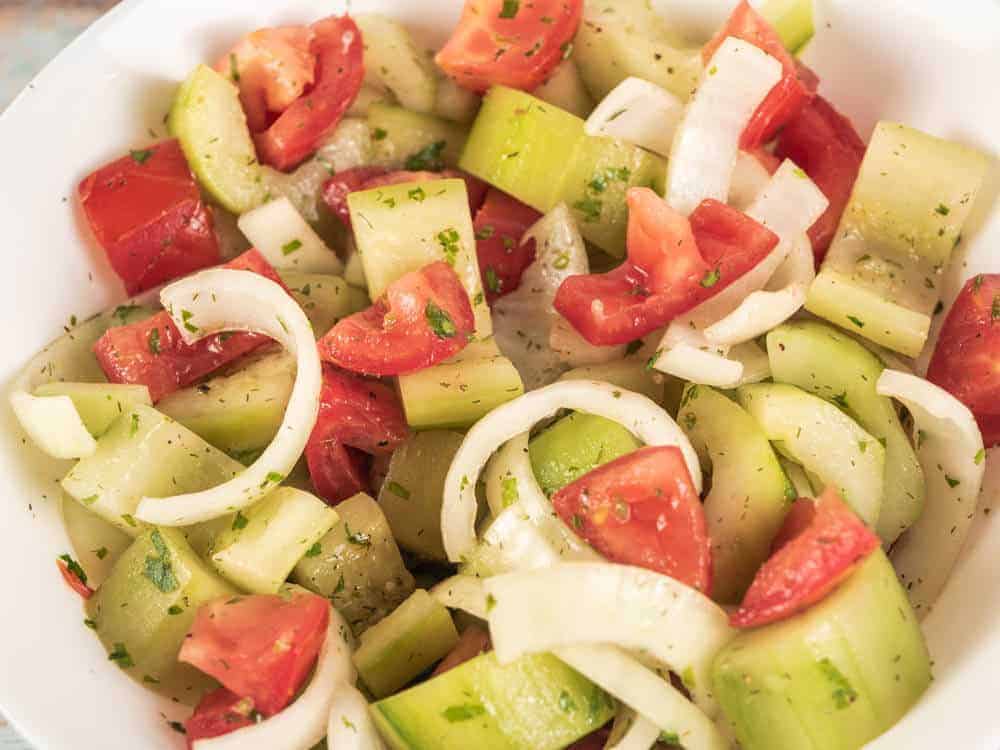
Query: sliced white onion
{"x": 950, "y": 448}
{"x": 750, "y": 177}
{"x": 350, "y": 726}
{"x": 53, "y": 424}
{"x": 574, "y": 350}
{"x": 286, "y": 240}
{"x": 465, "y": 593}
{"x": 638, "y": 112}
{"x": 705, "y": 147}
{"x": 638, "y": 414}
{"x": 575, "y": 603}
{"x": 632, "y": 732}
{"x": 302, "y": 724}
{"x": 687, "y": 354}
{"x": 506, "y": 477}
{"x": 227, "y": 300}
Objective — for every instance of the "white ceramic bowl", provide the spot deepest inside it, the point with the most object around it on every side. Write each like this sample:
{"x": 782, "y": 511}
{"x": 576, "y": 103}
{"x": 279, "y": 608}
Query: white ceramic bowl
{"x": 930, "y": 64}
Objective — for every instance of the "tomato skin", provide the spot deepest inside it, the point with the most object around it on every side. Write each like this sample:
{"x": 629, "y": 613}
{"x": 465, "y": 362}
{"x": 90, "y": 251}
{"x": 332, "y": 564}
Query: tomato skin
{"x": 818, "y": 550}
{"x": 487, "y": 48}
{"x": 145, "y": 211}
{"x": 260, "y": 646}
{"x": 791, "y": 93}
{"x": 338, "y": 472}
{"x": 218, "y": 712}
{"x": 642, "y": 509}
{"x": 673, "y": 265}
{"x": 126, "y": 353}
{"x": 825, "y": 145}
{"x": 73, "y": 580}
{"x": 340, "y": 70}
{"x": 403, "y": 331}
{"x": 500, "y": 225}
{"x": 474, "y": 641}
{"x": 966, "y": 360}
{"x": 595, "y": 741}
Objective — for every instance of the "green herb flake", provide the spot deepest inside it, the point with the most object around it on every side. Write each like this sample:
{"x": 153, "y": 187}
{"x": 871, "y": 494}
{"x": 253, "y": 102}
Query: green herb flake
{"x": 290, "y": 247}
{"x": 977, "y": 282}
{"x": 711, "y": 278}
{"x": 120, "y": 656}
{"x": 186, "y": 316}
{"x": 995, "y": 308}
{"x": 843, "y": 693}
{"x": 485, "y": 232}
{"x": 339, "y": 588}
{"x": 670, "y": 738}
{"x": 417, "y": 194}
{"x": 124, "y": 312}
{"x": 713, "y": 70}
{"x": 272, "y": 477}
{"x": 952, "y": 482}
{"x": 617, "y": 114}
{"x": 154, "y": 341}
{"x": 599, "y": 183}
{"x": 174, "y": 609}
{"x": 129, "y": 519}
{"x": 90, "y": 499}
{"x": 92, "y": 624}
{"x": 510, "y": 8}
{"x": 359, "y": 538}
{"x": 863, "y": 446}
{"x": 101, "y": 553}
{"x": 591, "y": 209}
{"x": 651, "y": 362}
{"x": 315, "y": 551}
{"x": 798, "y": 172}
{"x": 450, "y": 242}
{"x": 464, "y": 711}
{"x": 491, "y": 602}
{"x": 141, "y": 157}
{"x": 509, "y": 491}
{"x": 567, "y": 50}
{"x": 158, "y": 569}
{"x": 841, "y": 400}
{"x": 566, "y": 703}
{"x": 134, "y": 426}
{"x": 857, "y": 321}
{"x": 980, "y": 456}
{"x": 150, "y": 680}
{"x": 240, "y": 521}
{"x": 561, "y": 262}
{"x": 379, "y": 134}
{"x": 427, "y": 159}
{"x": 942, "y": 210}
{"x": 177, "y": 727}
{"x": 398, "y": 490}
{"x": 633, "y": 347}
{"x": 234, "y": 70}
{"x": 921, "y": 437}
{"x": 440, "y": 322}
{"x": 690, "y": 421}
{"x": 74, "y": 567}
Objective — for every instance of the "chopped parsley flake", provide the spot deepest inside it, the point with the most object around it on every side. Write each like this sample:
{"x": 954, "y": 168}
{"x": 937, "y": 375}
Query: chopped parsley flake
{"x": 561, "y": 261}
{"x": 234, "y": 71}
{"x": 74, "y": 567}
{"x": 120, "y": 656}
{"x": 124, "y": 312}
{"x": 491, "y": 602}
{"x": 440, "y": 322}
{"x": 843, "y": 694}
{"x": 359, "y": 538}
{"x": 379, "y": 134}
{"x": 980, "y": 456}
{"x": 158, "y": 569}
{"x": 186, "y": 316}
{"x": 590, "y": 208}
{"x": 92, "y": 624}
{"x": 711, "y": 278}
{"x": 134, "y": 428}
{"x": 272, "y": 477}
{"x": 977, "y": 282}
{"x": 315, "y": 551}
{"x": 857, "y": 321}
{"x": 141, "y": 157}
{"x": 290, "y": 247}
{"x": 510, "y": 8}
{"x": 101, "y": 553}
{"x": 798, "y": 172}
{"x": 464, "y": 711}
{"x": 510, "y": 494}
{"x": 567, "y": 50}
{"x": 173, "y": 609}
{"x": 418, "y": 195}
{"x": 340, "y": 585}
{"x": 841, "y": 400}
{"x": 240, "y": 521}
{"x": 154, "y": 341}
{"x": 995, "y": 309}
{"x": 952, "y": 482}
{"x": 566, "y": 702}
{"x": 485, "y": 232}
{"x": 398, "y": 490}
{"x": 633, "y": 347}
{"x": 942, "y": 209}
{"x": 427, "y": 159}
{"x": 450, "y": 242}
{"x": 90, "y": 499}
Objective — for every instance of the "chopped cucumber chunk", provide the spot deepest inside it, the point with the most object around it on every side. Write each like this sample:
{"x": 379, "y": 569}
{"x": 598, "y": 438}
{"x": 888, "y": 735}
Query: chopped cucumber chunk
{"x": 98, "y": 404}
{"x": 324, "y": 298}
{"x": 455, "y": 103}
{"x": 792, "y": 19}
{"x": 398, "y": 63}
{"x": 393, "y": 652}
{"x": 402, "y": 139}
{"x": 565, "y": 89}
{"x": 631, "y": 373}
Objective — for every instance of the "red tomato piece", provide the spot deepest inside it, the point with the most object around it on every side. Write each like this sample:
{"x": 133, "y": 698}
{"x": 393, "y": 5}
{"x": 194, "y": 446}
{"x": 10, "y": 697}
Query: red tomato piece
{"x": 642, "y": 509}
{"x": 790, "y": 94}
{"x": 338, "y": 472}
{"x": 825, "y": 145}
{"x": 474, "y": 641}
{"x": 673, "y": 265}
{"x": 596, "y": 741}
{"x": 818, "y": 551}
{"x": 260, "y": 646}
{"x": 338, "y": 50}
{"x": 272, "y": 68}
{"x": 218, "y": 712}
{"x": 516, "y": 43}
{"x": 153, "y": 353}
{"x": 500, "y": 225}
{"x": 423, "y": 318}
{"x": 966, "y": 361}
{"x": 145, "y": 211}
{"x": 74, "y": 576}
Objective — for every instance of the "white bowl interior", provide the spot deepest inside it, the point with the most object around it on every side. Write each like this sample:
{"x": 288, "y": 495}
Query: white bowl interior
{"x": 918, "y": 62}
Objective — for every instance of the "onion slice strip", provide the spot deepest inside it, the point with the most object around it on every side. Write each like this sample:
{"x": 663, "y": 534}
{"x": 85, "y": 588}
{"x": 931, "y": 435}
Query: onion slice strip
{"x": 227, "y": 300}
{"x": 705, "y": 148}
{"x": 462, "y": 592}
{"x": 304, "y": 723}
{"x": 53, "y": 424}
{"x": 638, "y": 112}
{"x": 350, "y": 726}
{"x": 632, "y": 732}
{"x": 950, "y": 448}
{"x": 638, "y": 414}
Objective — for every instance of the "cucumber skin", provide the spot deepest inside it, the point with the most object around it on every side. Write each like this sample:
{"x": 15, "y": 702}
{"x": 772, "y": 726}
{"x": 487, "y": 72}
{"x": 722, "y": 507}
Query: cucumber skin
{"x": 777, "y": 691}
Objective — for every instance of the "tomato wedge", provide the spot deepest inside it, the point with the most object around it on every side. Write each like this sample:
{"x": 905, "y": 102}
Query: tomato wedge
{"x": 790, "y": 94}
{"x": 153, "y": 353}
{"x": 423, "y": 318}
{"x": 145, "y": 211}
{"x": 642, "y": 509}
{"x": 338, "y": 50}
{"x": 217, "y": 713}
{"x": 474, "y": 641}
{"x": 673, "y": 265}
{"x": 966, "y": 361}
{"x": 260, "y": 647}
{"x": 595, "y": 741}
{"x": 74, "y": 576}
{"x": 357, "y": 417}
{"x": 819, "y": 546}
{"x": 515, "y": 43}
{"x": 500, "y": 225}
{"x": 825, "y": 145}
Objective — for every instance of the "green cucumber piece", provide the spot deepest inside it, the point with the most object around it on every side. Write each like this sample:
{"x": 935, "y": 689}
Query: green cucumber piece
{"x": 393, "y": 652}
{"x": 144, "y": 454}
{"x": 827, "y": 442}
{"x": 534, "y": 703}
{"x": 262, "y": 544}
{"x": 539, "y": 154}
{"x": 792, "y": 19}
{"x": 208, "y": 120}
{"x": 455, "y": 103}
{"x": 833, "y": 366}
{"x": 238, "y": 413}
{"x": 576, "y": 445}
{"x": 565, "y": 89}
{"x": 98, "y": 404}
{"x": 97, "y": 544}
{"x": 324, "y": 298}
{"x": 459, "y": 392}
{"x": 402, "y": 139}
{"x": 749, "y": 494}
{"x": 402, "y": 228}
{"x": 831, "y": 678}
{"x": 630, "y": 374}
{"x": 358, "y": 567}
{"x": 393, "y": 57}
{"x": 413, "y": 491}
{"x": 147, "y": 604}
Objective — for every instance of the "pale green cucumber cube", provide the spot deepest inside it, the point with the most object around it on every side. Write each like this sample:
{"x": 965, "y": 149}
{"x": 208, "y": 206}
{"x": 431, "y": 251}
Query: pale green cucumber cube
{"x": 324, "y": 298}
{"x": 401, "y": 66}
{"x": 565, "y": 89}
{"x": 792, "y": 19}
{"x": 98, "y": 404}
{"x": 631, "y": 373}
{"x": 402, "y": 139}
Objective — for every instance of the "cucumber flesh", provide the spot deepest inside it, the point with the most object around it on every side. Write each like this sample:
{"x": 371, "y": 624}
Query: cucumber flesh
{"x": 749, "y": 495}
{"x": 792, "y": 19}
{"x": 392, "y": 56}
{"x": 393, "y": 652}
{"x": 565, "y": 89}
{"x": 832, "y": 678}
{"x": 630, "y": 373}
{"x": 534, "y": 703}
{"x": 324, "y": 298}
{"x": 402, "y": 139}
{"x": 97, "y": 544}
{"x": 455, "y": 103}
{"x": 829, "y": 364}
{"x": 208, "y": 121}
{"x": 98, "y": 404}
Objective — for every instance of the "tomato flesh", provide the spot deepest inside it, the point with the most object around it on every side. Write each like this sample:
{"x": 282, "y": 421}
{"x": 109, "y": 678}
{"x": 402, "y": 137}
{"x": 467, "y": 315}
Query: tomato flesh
{"x": 791, "y": 93}
{"x": 596, "y": 741}
{"x": 673, "y": 265}
{"x": 73, "y": 580}
{"x": 474, "y": 641}
{"x": 500, "y": 225}
{"x": 515, "y": 43}
{"x": 260, "y": 647}
{"x": 825, "y": 145}
{"x": 966, "y": 360}
{"x": 338, "y": 50}
{"x": 217, "y": 713}
{"x": 145, "y": 211}
{"x": 153, "y": 353}
{"x": 642, "y": 509}
{"x": 423, "y": 318}
{"x": 815, "y": 551}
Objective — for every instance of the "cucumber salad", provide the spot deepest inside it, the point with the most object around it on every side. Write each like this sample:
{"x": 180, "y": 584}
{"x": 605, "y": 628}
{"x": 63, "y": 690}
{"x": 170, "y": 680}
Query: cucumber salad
{"x": 558, "y": 388}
